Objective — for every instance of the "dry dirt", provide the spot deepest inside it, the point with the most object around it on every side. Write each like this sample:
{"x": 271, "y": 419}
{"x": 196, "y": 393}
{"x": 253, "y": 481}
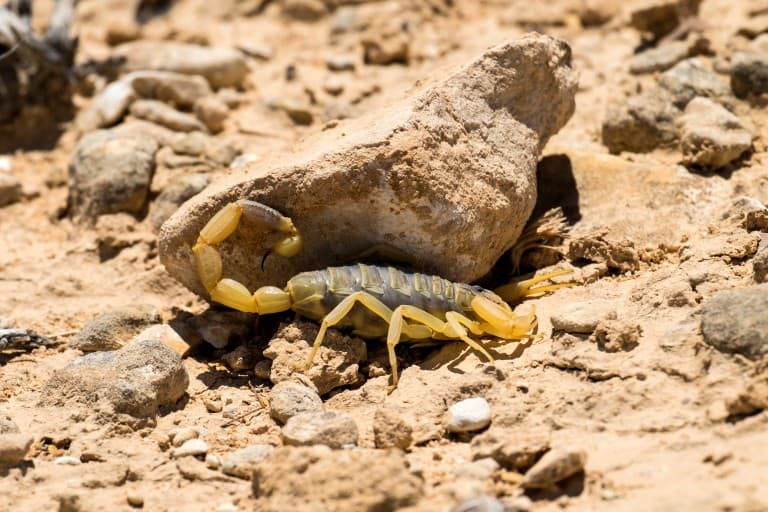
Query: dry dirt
{"x": 643, "y": 396}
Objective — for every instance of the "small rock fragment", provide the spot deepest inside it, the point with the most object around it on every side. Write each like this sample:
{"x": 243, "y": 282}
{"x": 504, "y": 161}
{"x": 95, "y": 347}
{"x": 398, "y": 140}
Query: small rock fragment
{"x": 581, "y": 317}
{"x": 110, "y": 172}
{"x": 334, "y": 429}
{"x": 158, "y": 112}
{"x": 289, "y": 398}
{"x": 711, "y": 136}
{"x": 760, "y": 264}
{"x": 390, "y": 430}
{"x": 754, "y": 397}
{"x": 735, "y": 321}
{"x": 478, "y": 469}
{"x": 749, "y": 74}
{"x": 191, "y": 447}
{"x": 341, "y": 62}
{"x": 480, "y": 504}
{"x": 165, "y": 334}
{"x": 183, "y": 435}
{"x": 615, "y": 335}
{"x": 667, "y": 55}
{"x": 122, "y": 32}
{"x": 600, "y": 248}
{"x": 340, "y": 356}
{"x": 113, "y": 330}
{"x": 513, "y": 451}
{"x": 212, "y": 112}
{"x": 13, "y": 448}
{"x": 333, "y": 86}
{"x": 108, "y": 107}
{"x": 554, "y": 466}
{"x": 67, "y": 460}
{"x": 135, "y": 499}
{"x": 660, "y": 17}
{"x": 177, "y": 89}
{"x": 7, "y": 426}
{"x": 468, "y": 415}
{"x": 10, "y": 190}
{"x": 212, "y": 405}
{"x": 299, "y": 112}
{"x": 241, "y": 463}
{"x": 212, "y": 461}
{"x": 301, "y": 478}
{"x": 135, "y": 380}
{"x": 222, "y": 67}
{"x": 240, "y": 359}
{"x": 304, "y": 10}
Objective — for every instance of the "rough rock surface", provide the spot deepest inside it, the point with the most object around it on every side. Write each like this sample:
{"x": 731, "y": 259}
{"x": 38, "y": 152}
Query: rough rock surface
{"x": 735, "y": 321}
{"x": 110, "y": 172}
{"x": 158, "y": 112}
{"x": 300, "y": 479}
{"x": 241, "y": 463}
{"x": 289, "y": 398}
{"x": 10, "y": 190}
{"x": 417, "y": 176}
{"x": 222, "y": 67}
{"x": 174, "y": 195}
{"x": 136, "y": 380}
{"x": 336, "y": 363}
{"x": 556, "y": 465}
{"x": 13, "y": 448}
{"x": 710, "y": 135}
{"x": 114, "y": 329}
{"x": 334, "y": 429}
{"x": 645, "y": 121}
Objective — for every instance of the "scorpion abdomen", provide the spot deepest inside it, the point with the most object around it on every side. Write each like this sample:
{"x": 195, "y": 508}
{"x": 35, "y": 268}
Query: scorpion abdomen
{"x": 314, "y": 294}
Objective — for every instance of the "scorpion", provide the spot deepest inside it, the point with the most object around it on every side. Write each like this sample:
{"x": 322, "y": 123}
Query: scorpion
{"x": 396, "y": 305}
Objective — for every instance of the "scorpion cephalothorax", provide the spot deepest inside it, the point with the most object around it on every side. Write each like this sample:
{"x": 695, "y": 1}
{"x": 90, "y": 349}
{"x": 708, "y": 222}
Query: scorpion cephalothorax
{"x": 395, "y": 304}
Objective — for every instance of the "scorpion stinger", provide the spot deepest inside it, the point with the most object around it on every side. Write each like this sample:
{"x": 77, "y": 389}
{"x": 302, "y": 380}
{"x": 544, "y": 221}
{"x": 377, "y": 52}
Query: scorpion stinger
{"x": 268, "y": 299}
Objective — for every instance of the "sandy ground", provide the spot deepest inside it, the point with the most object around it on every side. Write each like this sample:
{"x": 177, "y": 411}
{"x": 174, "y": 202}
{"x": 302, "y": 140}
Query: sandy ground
{"x": 651, "y": 416}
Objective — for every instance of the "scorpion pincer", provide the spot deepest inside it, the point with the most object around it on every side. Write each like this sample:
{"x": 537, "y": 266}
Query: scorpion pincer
{"x": 396, "y": 305}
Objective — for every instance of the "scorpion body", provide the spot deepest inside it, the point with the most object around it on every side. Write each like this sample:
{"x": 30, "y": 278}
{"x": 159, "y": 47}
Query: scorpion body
{"x": 315, "y": 294}
{"x": 374, "y": 301}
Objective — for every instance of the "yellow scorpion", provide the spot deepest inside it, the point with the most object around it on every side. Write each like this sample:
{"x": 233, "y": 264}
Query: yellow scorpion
{"x": 396, "y": 305}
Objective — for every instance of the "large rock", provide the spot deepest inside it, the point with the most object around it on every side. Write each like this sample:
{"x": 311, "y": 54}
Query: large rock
{"x": 136, "y": 380}
{"x": 448, "y": 171}
{"x": 710, "y": 135}
{"x": 110, "y": 172}
{"x": 318, "y": 478}
{"x": 222, "y": 67}
{"x": 735, "y": 321}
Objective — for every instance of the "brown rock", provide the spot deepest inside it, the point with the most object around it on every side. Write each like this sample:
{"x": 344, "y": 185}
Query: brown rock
{"x": 363, "y": 480}
{"x": 554, "y": 466}
{"x": 417, "y": 177}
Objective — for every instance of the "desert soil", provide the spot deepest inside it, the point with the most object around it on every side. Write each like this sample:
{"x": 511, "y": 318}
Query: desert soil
{"x": 647, "y": 387}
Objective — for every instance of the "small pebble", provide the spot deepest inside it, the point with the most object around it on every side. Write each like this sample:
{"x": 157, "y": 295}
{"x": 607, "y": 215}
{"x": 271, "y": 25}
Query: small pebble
{"x": 135, "y": 500}
{"x": 334, "y": 429}
{"x": 244, "y": 160}
{"x": 212, "y": 405}
{"x": 13, "y": 448}
{"x": 333, "y": 86}
{"x": 554, "y": 466}
{"x": 192, "y": 447}
{"x": 212, "y": 461}
{"x": 480, "y": 504}
{"x": 67, "y": 460}
{"x": 289, "y": 398}
{"x": 226, "y": 507}
{"x": 340, "y": 62}
{"x": 183, "y": 435}
{"x": 469, "y": 415}
{"x": 241, "y": 463}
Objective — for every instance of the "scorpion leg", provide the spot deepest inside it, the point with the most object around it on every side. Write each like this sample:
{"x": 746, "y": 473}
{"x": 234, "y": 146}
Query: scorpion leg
{"x": 513, "y": 292}
{"x": 453, "y": 328}
{"x": 501, "y": 321}
{"x": 340, "y": 311}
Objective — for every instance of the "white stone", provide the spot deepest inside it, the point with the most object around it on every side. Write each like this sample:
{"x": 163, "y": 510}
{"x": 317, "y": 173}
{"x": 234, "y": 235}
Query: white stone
{"x": 469, "y": 415}
{"x": 192, "y": 447}
{"x": 67, "y": 460}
